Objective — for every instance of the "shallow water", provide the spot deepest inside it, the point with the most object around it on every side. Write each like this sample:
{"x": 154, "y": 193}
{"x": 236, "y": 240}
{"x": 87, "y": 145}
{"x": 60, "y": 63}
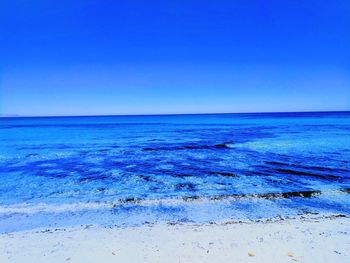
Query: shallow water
{"x": 128, "y": 170}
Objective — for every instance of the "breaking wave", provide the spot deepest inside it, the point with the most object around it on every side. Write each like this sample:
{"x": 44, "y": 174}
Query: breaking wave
{"x": 26, "y": 208}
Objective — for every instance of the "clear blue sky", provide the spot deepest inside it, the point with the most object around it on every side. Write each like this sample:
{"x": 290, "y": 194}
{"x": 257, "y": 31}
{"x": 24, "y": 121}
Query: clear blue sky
{"x": 87, "y": 57}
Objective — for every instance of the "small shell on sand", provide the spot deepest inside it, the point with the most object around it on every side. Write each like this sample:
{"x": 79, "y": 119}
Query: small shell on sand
{"x": 290, "y": 254}
{"x": 251, "y": 254}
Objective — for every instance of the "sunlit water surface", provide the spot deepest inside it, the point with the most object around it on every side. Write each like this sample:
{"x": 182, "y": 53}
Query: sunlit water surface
{"x": 131, "y": 170}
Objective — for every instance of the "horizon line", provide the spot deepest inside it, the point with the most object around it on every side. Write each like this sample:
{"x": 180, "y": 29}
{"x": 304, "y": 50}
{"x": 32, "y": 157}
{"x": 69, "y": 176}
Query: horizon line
{"x": 164, "y": 114}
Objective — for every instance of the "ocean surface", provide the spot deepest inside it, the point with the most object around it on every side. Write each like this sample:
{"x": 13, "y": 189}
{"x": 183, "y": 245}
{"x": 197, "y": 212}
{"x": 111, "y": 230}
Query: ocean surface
{"x": 132, "y": 170}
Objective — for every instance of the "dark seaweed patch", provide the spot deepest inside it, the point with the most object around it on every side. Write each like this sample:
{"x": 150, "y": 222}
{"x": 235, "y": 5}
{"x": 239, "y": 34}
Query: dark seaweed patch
{"x": 188, "y": 147}
{"x": 221, "y": 146}
{"x": 190, "y": 198}
{"x": 227, "y": 174}
{"x": 302, "y": 194}
{"x": 306, "y": 194}
{"x": 185, "y": 186}
{"x": 182, "y": 175}
{"x": 346, "y": 190}
{"x": 32, "y": 155}
{"x": 147, "y": 178}
{"x": 129, "y": 200}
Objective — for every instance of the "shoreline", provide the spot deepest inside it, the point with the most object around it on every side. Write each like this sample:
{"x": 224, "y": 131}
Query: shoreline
{"x": 307, "y": 239}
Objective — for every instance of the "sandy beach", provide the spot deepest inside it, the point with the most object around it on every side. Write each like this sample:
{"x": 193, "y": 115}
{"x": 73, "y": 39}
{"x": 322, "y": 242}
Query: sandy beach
{"x": 292, "y": 240}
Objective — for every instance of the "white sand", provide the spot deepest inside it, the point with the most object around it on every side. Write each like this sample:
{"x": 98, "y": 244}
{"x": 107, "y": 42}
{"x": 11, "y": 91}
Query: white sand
{"x": 326, "y": 240}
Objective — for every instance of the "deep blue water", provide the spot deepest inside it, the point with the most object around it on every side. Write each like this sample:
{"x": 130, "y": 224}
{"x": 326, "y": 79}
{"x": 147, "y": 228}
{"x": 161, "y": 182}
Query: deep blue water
{"x": 127, "y": 170}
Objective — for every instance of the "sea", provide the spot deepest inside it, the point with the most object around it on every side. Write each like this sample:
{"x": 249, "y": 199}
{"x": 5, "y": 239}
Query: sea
{"x": 120, "y": 171}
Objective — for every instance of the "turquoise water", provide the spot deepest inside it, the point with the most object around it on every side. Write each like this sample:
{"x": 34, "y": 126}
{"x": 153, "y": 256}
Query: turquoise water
{"x": 130, "y": 170}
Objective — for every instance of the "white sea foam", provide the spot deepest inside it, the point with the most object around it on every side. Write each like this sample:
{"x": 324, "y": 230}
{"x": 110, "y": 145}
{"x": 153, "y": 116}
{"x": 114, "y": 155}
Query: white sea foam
{"x": 27, "y": 208}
